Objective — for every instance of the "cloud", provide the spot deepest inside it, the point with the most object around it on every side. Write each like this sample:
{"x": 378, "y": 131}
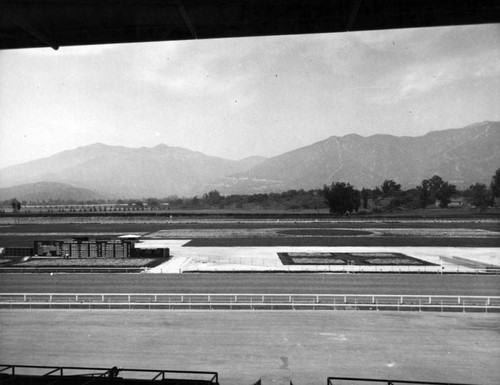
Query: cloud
{"x": 424, "y": 76}
{"x": 251, "y": 95}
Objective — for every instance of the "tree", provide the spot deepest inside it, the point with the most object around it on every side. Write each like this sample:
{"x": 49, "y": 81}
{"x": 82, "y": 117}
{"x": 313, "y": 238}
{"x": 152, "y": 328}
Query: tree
{"x": 342, "y": 198}
{"x": 436, "y": 188}
{"x": 445, "y": 193}
{"x": 389, "y": 187}
{"x": 424, "y": 193}
{"x": 153, "y": 203}
{"x": 377, "y": 193}
{"x": 195, "y": 201}
{"x": 435, "y": 183}
{"x": 365, "y": 194}
{"x": 16, "y": 205}
{"x": 213, "y": 198}
{"x": 480, "y": 196}
{"x": 495, "y": 183}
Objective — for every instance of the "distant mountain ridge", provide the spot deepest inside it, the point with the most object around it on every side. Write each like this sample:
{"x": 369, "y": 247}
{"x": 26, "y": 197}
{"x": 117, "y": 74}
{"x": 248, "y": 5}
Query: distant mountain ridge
{"x": 124, "y": 172}
{"x": 462, "y": 156}
{"x": 46, "y": 191}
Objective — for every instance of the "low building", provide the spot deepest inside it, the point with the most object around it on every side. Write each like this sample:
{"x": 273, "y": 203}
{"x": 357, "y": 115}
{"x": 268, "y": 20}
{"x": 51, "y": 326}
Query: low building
{"x": 150, "y": 250}
{"x": 83, "y": 247}
{"x": 454, "y": 202}
{"x": 18, "y": 252}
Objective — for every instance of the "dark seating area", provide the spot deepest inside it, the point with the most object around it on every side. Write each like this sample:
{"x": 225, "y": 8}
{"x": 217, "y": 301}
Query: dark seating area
{"x": 45, "y": 375}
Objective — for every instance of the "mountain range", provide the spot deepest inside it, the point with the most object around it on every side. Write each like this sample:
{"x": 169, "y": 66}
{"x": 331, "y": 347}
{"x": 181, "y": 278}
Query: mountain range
{"x": 45, "y": 191}
{"x": 462, "y": 156}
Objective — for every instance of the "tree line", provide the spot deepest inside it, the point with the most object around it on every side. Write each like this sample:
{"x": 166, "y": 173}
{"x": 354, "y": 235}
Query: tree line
{"x": 339, "y": 198}
{"x": 342, "y": 198}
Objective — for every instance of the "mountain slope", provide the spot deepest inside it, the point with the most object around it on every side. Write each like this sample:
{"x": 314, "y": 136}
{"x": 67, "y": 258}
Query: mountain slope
{"x": 128, "y": 172}
{"x": 46, "y": 191}
{"x": 462, "y": 156}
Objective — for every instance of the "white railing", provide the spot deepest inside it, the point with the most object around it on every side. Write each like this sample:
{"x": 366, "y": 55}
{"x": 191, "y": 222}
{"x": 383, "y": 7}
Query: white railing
{"x": 251, "y": 301}
{"x": 69, "y": 269}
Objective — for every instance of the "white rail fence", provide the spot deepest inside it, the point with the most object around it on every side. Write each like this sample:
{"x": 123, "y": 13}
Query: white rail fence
{"x": 250, "y": 301}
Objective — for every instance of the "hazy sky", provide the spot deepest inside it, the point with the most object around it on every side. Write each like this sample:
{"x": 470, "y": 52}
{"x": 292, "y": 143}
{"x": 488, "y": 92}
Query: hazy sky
{"x": 254, "y": 96}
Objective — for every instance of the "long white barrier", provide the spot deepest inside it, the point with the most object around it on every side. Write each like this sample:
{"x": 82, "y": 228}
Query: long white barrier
{"x": 250, "y": 301}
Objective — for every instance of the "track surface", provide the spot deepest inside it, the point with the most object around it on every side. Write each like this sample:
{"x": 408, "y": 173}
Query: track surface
{"x": 346, "y": 241}
{"x": 253, "y": 283}
{"x": 27, "y": 241}
{"x": 277, "y": 347}
{"x": 25, "y": 234}
{"x": 139, "y": 226}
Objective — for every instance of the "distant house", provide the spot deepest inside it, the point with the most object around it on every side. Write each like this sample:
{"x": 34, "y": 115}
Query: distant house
{"x": 454, "y": 202}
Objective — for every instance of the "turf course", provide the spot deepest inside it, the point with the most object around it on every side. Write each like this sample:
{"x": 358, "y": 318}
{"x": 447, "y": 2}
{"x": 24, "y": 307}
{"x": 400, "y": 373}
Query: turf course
{"x": 304, "y": 347}
{"x": 293, "y": 283}
{"x": 272, "y": 233}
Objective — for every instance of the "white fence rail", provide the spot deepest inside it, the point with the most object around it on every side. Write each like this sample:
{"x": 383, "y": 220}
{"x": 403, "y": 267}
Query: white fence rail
{"x": 69, "y": 269}
{"x": 250, "y": 301}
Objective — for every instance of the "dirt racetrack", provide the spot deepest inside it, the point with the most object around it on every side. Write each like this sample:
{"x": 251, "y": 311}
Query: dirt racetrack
{"x": 305, "y": 347}
{"x": 369, "y": 232}
{"x": 294, "y": 283}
